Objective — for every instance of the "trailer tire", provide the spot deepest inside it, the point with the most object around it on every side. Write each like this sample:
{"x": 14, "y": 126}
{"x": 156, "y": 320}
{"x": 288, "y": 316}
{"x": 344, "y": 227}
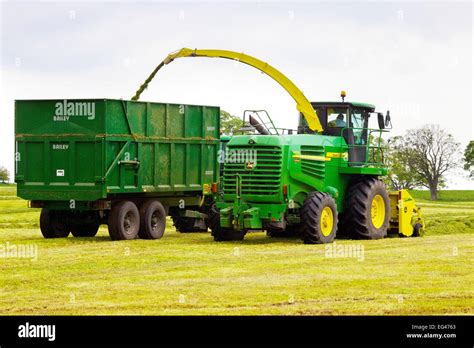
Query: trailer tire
{"x": 318, "y": 218}
{"x": 367, "y": 209}
{"x": 52, "y": 224}
{"x": 85, "y": 230}
{"x": 219, "y": 233}
{"x": 152, "y": 220}
{"x": 124, "y": 221}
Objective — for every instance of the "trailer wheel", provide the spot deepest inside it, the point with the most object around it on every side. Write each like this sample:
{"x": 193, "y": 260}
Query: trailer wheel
{"x": 367, "y": 209}
{"x": 219, "y": 233}
{"x": 53, "y": 225}
{"x": 124, "y": 221}
{"x": 85, "y": 230}
{"x": 318, "y": 218}
{"x": 152, "y": 220}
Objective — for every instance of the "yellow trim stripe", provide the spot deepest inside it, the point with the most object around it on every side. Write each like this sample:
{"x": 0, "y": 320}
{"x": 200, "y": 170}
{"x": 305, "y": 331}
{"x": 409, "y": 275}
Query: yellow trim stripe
{"x": 298, "y": 157}
{"x": 337, "y": 154}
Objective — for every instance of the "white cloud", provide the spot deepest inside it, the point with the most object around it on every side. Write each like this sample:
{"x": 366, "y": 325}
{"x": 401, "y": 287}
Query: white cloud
{"x": 419, "y": 66}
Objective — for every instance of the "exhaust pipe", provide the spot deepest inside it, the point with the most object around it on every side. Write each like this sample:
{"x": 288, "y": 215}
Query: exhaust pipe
{"x": 259, "y": 127}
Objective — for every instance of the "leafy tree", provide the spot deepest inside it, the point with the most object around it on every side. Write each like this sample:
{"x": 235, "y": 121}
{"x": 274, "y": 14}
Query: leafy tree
{"x": 230, "y": 124}
{"x": 422, "y": 158}
{"x": 400, "y": 175}
{"x": 4, "y": 175}
{"x": 469, "y": 158}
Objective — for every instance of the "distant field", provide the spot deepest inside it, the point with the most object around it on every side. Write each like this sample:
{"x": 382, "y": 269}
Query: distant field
{"x": 446, "y": 196}
{"x": 189, "y": 274}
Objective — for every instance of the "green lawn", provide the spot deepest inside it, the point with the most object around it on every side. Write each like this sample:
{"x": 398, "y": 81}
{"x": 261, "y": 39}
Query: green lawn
{"x": 189, "y": 274}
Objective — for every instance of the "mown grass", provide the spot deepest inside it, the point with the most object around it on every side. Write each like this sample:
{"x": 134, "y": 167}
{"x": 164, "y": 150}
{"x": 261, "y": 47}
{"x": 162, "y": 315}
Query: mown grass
{"x": 189, "y": 274}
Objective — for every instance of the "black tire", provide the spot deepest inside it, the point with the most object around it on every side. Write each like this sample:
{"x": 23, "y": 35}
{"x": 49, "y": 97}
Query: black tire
{"x": 186, "y": 224}
{"x": 85, "y": 230}
{"x": 222, "y": 234}
{"x": 53, "y": 224}
{"x": 417, "y": 230}
{"x": 289, "y": 232}
{"x": 316, "y": 207}
{"x": 152, "y": 220}
{"x": 357, "y": 219}
{"x": 124, "y": 221}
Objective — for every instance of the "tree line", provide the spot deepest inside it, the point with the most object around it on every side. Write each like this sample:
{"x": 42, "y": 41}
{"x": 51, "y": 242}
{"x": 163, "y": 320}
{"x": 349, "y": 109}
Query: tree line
{"x": 421, "y": 158}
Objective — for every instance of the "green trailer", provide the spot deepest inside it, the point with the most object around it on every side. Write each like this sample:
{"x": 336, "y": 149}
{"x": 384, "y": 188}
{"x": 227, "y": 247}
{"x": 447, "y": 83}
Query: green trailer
{"x": 127, "y": 164}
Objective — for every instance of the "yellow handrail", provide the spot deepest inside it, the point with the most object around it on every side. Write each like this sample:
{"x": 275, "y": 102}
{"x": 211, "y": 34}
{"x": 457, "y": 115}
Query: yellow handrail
{"x": 302, "y": 103}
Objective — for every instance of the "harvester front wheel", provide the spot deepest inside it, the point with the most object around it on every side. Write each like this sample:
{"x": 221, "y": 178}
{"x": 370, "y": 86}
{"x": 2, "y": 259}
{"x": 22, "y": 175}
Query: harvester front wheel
{"x": 318, "y": 218}
{"x": 152, "y": 220}
{"x": 124, "y": 221}
{"x": 53, "y": 225}
{"x": 367, "y": 210}
{"x": 186, "y": 224}
{"x": 290, "y": 231}
{"x": 219, "y": 233}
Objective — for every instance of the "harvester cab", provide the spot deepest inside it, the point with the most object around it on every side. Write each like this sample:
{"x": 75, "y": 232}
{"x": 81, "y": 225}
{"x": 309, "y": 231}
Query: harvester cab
{"x": 349, "y": 120}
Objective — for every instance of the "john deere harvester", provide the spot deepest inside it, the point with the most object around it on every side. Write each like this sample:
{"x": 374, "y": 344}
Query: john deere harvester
{"x": 318, "y": 181}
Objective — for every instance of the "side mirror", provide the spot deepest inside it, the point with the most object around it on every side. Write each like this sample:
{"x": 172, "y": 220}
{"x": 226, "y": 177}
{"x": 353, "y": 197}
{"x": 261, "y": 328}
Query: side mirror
{"x": 381, "y": 120}
{"x": 387, "y": 119}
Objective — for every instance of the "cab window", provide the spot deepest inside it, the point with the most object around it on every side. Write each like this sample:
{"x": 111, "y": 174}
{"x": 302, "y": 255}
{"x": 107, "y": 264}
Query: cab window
{"x": 358, "y": 120}
{"x": 337, "y": 117}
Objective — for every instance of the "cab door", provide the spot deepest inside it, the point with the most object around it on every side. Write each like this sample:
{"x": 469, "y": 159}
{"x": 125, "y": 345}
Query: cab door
{"x": 359, "y": 121}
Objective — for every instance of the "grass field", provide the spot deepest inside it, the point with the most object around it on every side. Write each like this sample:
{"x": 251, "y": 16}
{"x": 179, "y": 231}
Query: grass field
{"x": 189, "y": 274}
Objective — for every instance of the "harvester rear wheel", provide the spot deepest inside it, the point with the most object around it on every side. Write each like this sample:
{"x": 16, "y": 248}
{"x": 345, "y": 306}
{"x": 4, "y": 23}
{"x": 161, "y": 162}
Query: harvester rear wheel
{"x": 318, "y": 218}
{"x": 53, "y": 225}
{"x": 85, "y": 230}
{"x": 152, "y": 220}
{"x": 124, "y": 221}
{"x": 219, "y": 233}
{"x": 367, "y": 210}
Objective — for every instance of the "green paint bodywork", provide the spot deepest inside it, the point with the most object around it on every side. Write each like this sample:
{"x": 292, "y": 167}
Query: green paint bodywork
{"x": 124, "y": 148}
{"x": 254, "y": 194}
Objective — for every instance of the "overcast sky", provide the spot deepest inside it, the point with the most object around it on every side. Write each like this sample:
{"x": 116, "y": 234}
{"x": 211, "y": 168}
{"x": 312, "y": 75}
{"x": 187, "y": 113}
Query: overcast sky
{"x": 414, "y": 59}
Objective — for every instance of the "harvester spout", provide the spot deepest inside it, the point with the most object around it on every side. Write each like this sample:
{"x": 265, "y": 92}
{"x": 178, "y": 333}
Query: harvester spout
{"x": 302, "y": 103}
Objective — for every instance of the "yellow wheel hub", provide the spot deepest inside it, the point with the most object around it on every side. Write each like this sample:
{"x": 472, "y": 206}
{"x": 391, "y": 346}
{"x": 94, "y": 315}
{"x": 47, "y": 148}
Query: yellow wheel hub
{"x": 327, "y": 221}
{"x": 377, "y": 211}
